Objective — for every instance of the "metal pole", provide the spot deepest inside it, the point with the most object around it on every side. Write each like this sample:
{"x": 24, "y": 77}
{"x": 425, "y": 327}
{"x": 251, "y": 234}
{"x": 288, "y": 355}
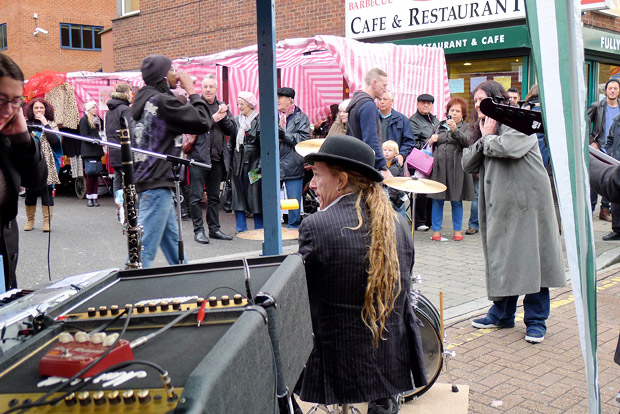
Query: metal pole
{"x": 269, "y": 151}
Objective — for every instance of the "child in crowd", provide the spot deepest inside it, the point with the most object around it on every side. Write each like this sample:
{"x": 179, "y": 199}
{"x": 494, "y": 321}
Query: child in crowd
{"x": 397, "y": 197}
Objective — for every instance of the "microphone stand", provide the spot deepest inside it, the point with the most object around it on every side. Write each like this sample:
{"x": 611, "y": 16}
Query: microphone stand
{"x": 176, "y": 163}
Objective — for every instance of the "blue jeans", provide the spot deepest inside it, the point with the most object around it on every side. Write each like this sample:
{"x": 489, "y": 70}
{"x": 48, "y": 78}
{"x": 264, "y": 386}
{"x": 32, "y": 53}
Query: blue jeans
{"x": 156, "y": 216}
{"x": 293, "y": 190}
{"x": 242, "y": 224}
{"x": 473, "y": 214}
{"x": 457, "y": 215}
{"x": 535, "y": 306}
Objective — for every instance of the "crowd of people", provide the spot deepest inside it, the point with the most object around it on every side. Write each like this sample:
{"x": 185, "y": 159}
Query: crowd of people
{"x": 358, "y": 249}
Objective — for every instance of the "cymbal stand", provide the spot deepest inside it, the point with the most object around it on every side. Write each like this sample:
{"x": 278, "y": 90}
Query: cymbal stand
{"x": 444, "y": 338}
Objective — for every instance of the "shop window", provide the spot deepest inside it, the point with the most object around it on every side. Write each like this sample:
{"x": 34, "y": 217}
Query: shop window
{"x": 605, "y": 72}
{"x": 129, "y": 7}
{"x": 78, "y": 36}
{"x": 3, "y": 36}
{"x": 466, "y": 75}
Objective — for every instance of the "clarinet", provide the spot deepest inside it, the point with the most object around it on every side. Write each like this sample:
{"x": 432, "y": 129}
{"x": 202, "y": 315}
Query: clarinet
{"x": 130, "y": 199}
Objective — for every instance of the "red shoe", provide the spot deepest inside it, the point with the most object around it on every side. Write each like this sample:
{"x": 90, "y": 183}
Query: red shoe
{"x": 436, "y": 237}
{"x": 458, "y": 238}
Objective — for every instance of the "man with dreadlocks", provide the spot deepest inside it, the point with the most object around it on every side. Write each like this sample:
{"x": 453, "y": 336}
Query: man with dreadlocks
{"x": 358, "y": 257}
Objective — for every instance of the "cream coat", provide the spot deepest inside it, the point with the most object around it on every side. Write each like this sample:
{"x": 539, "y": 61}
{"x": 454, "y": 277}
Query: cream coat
{"x": 519, "y": 229}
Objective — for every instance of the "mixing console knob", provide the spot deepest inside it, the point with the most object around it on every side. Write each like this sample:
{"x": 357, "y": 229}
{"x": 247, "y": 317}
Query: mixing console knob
{"x": 140, "y": 308}
{"x": 65, "y": 338}
{"x": 152, "y": 306}
{"x": 127, "y": 307}
{"x": 103, "y": 311}
{"x": 176, "y": 304}
{"x": 84, "y": 398}
{"x": 70, "y": 400}
{"x": 114, "y": 309}
{"x": 92, "y": 312}
{"x": 238, "y": 299}
{"x": 164, "y": 305}
{"x": 199, "y": 301}
{"x": 99, "y": 398}
{"x": 129, "y": 397}
{"x": 114, "y": 397}
{"x": 144, "y": 397}
{"x": 13, "y": 402}
{"x": 82, "y": 337}
{"x": 225, "y": 300}
{"x": 213, "y": 301}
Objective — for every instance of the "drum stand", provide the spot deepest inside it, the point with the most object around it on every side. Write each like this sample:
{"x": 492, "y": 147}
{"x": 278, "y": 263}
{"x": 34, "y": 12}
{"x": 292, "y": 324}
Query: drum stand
{"x": 334, "y": 409}
{"x": 445, "y": 352}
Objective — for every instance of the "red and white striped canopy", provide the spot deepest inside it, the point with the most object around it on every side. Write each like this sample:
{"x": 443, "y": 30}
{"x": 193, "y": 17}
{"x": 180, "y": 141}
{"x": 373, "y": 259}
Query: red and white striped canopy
{"x": 314, "y": 67}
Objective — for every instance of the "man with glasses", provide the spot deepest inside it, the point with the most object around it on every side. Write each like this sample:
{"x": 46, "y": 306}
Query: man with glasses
{"x": 21, "y": 163}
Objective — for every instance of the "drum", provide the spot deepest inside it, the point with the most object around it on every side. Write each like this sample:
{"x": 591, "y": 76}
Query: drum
{"x": 432, "y": 345}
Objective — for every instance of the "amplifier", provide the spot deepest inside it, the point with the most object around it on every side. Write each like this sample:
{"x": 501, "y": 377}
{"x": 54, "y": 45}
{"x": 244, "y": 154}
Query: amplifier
{"x": 224, "y": 364}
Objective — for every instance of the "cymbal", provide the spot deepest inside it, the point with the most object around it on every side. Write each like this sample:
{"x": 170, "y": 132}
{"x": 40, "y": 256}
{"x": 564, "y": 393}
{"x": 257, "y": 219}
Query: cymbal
{"x": 415, "y": 185}
{"x": 287, "y": 234}
{"x": 309, "y": 146}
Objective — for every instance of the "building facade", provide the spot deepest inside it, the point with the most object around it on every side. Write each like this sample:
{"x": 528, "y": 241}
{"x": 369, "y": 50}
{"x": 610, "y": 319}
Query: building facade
{"x": 197, "y": 28}
{"x": 59, "y": 35}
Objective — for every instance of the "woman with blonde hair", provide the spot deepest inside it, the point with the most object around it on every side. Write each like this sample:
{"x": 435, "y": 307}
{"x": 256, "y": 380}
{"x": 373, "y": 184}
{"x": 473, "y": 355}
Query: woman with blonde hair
{"x": 358, "y": 256}
{"x": 89, "y": 126}
{"x": 339, "y": 127}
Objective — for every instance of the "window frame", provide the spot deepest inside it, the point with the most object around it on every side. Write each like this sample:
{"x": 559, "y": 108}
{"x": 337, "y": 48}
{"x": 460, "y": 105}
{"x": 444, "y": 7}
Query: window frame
{"x": 71, "y": 26}
{"x": 4, "y": 44}
{"x": 125, "y": 12}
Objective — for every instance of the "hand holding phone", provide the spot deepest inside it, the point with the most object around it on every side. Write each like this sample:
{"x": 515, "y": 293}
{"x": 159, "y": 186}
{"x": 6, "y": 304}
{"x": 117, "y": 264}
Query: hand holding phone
{"x": 15, "y": 126}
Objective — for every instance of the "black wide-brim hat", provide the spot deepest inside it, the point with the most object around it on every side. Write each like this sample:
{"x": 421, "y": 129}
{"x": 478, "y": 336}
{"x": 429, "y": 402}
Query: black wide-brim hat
{"x": 349, "y": 152}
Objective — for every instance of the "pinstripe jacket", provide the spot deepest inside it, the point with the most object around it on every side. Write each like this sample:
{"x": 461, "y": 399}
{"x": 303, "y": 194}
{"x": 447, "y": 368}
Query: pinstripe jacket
{"x": 345, "y": 366}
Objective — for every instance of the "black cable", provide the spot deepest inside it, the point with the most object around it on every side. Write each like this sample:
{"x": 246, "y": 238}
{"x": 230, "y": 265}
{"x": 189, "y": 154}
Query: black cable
{"x": 58, "y": 388}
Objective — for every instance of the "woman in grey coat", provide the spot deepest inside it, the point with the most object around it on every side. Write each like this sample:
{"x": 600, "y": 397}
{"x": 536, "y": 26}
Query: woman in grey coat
{"x": 520, "y": 236}
{"x": 447, "y": 169}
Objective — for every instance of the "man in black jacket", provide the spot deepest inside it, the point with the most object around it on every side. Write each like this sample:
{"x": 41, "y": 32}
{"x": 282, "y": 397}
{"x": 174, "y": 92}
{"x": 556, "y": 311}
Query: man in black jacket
{"x": 600, "y": 117}
{"x": 423, "y": 125}
{"x": 161, "y": 119}
{"x": 210, "y": 148}
{"x": 21, "y": 163}
{"x": 118, "y": 106}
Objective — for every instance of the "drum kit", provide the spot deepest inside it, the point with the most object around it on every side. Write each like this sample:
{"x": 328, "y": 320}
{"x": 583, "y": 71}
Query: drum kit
{"x": 431, "y": 320}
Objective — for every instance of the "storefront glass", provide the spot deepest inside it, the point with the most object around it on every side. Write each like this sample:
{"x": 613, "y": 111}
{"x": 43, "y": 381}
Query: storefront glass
{"x": 466, "y": 75}
{"x": 606, "y": 71}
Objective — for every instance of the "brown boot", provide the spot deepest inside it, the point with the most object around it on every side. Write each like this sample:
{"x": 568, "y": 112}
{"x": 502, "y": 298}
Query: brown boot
{"x": 47, "y": 215}
{"x": 30, "y": 213}
{"x": 604, "y": 214}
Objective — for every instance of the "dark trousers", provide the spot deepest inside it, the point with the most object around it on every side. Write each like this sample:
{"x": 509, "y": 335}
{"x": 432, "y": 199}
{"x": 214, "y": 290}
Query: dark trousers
{"x": 423, "y": 209}
{"x": 594, "y": 199}
{"x": 210, "y": 180}
{"x": 92, "y": 184}
{"x": 615, "y": 217}
{"x": 46, "y": 199}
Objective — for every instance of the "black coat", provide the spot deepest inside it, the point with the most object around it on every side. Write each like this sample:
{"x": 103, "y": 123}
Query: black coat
{"x": 89, "y": 150}
{"x": 118, "y": 108}
{"x": 345, "y": 366}
{"x": 21, "y": 166}
{"x": 423, "y": 126}
{"x": 297, "y": 130}
{"x": 202, "y": 150}
{"x": 247, "y": 159}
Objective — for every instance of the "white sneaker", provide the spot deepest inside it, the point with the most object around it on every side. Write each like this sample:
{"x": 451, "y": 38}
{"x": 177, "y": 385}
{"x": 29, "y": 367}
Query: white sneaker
{"x": 423, "y": 227}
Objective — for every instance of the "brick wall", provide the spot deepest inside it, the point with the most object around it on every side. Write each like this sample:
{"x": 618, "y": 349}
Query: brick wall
{"x": 600, "y": 20}
{"x": 202, "y": 27}
{"x": 43, "y": 52}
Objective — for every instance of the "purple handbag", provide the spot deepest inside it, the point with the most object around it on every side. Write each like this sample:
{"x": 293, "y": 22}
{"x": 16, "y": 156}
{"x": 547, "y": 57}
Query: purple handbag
{"x": 421, "y": 160}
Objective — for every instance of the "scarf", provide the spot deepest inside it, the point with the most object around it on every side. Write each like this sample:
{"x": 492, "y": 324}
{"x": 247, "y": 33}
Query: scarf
{"x": 284, "y": 115}
{"x": 245, "y": 122}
